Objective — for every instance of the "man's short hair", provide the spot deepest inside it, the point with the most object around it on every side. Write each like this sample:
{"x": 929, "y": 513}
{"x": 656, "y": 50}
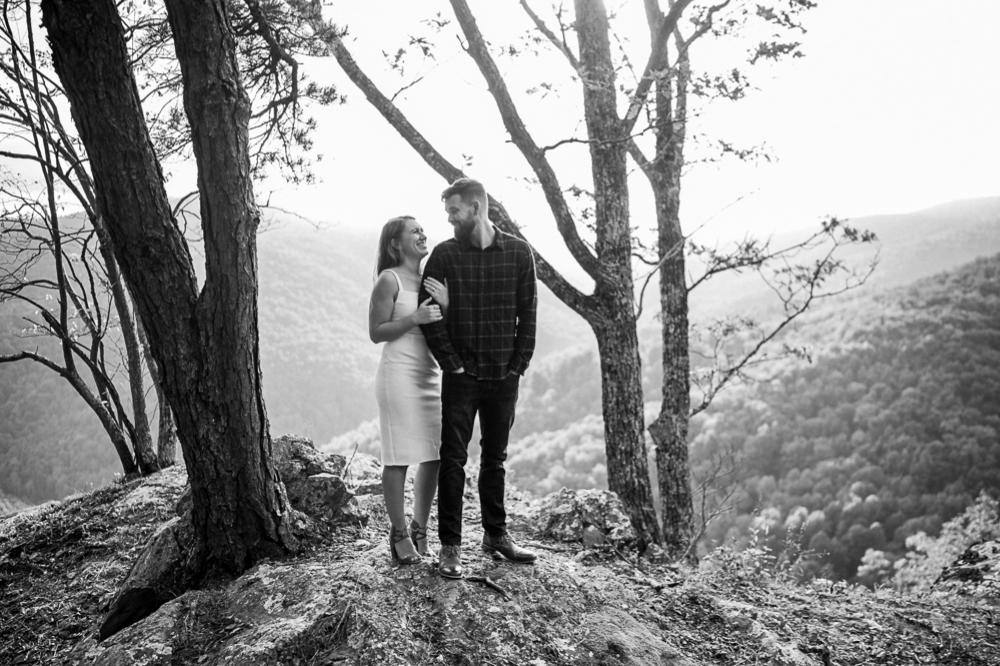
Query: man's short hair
{"x": 469, "y": 189}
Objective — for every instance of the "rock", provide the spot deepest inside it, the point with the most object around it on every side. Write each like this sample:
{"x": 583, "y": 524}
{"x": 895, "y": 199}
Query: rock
{"x": 322, "y": 496}
{"x": 568, "y": 514}
{"x": 296, "y": 457}
{"x": 615, "y": 637}
{"x": 592, "y": 536}
{"x": 365, "y": 509}
{"x": 315, "y": 481}
{"x": 147, "y": 585}
{"x": 976, "y": 572}
{"x": 148, "y": 642}
{"x": 249, "y": 621}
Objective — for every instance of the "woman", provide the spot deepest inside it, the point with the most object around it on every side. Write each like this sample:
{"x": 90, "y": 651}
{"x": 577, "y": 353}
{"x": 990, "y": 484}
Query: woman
{"x": 407, "y": 385}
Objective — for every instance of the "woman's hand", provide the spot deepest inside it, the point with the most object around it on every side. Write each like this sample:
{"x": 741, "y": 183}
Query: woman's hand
{"x": 438, "y": 291}
{"x": 427, "y": 313}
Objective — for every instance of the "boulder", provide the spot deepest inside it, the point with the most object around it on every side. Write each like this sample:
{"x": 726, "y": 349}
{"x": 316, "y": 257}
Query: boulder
{"x": 315, "y": 487}
{"x": 296, "y": 457}
{"x": 315, "y": 481}
{"x": 615, "y": 637}
{"x": 149, "y": 584}
{"x": 588, "y": 516}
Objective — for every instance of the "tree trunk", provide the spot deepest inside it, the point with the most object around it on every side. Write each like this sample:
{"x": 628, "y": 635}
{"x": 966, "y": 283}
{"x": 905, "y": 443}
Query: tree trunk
{"x": 205, "y": 345}
{"x": 622, "y": 406}
{"x": 166, "y": 436}
{"x": 618, "y": 345}
{"x": 142, "y": 443}
{"x": 670, "y": 429}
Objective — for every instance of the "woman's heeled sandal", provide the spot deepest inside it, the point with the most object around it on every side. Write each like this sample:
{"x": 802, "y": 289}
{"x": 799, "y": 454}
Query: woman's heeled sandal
{"x": 395, "y": 536}
{"x": 418, "y": 534}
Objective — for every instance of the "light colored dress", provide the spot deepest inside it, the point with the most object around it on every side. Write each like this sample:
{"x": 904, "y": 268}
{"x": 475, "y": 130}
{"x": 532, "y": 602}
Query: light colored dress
{"x": 408, "y": 390}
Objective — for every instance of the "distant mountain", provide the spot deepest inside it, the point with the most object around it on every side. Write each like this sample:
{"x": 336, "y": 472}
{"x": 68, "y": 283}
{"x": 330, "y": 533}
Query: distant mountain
{"x": 910, "y": 246}
{"x": 318, "y": 364}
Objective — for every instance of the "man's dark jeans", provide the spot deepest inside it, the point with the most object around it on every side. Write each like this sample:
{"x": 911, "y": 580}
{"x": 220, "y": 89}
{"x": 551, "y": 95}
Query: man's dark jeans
{"x": 462, "y": 396}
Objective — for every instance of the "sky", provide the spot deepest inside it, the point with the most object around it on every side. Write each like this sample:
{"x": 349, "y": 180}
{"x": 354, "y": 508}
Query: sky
{"x": 895, "y": 108}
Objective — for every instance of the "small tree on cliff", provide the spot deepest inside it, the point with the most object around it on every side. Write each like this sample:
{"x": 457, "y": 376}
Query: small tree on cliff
{"x": 652, "y": 132}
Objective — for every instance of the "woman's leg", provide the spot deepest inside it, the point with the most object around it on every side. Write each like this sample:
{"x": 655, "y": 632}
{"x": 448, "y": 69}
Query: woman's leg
{"x": 424, "y": 486}
{"x": 393, "y": 480}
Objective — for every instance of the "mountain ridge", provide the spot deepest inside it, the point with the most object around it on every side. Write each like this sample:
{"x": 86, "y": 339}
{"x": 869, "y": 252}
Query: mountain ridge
{"x": 318, "y": 364}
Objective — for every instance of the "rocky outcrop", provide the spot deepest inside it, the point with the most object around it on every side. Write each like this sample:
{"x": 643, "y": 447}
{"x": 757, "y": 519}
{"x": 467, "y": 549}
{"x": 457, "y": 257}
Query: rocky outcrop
{"x": 590, "y": 517}
{"x": 341, "y": 601}
{"x": 316, "y": 488}
{"x": 975, "y": 573}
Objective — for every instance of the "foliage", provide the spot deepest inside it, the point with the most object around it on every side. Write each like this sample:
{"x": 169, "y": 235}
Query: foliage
{"x": 891, "y": 432}
{"x": 928, "y": 556}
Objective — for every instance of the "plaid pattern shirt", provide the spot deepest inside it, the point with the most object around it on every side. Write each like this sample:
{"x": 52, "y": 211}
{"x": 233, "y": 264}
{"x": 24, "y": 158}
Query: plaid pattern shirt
{"x": 492, "y": 303}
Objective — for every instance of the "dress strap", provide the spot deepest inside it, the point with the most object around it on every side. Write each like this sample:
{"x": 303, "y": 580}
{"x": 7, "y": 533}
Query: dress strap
{"x": 399, "y": 283}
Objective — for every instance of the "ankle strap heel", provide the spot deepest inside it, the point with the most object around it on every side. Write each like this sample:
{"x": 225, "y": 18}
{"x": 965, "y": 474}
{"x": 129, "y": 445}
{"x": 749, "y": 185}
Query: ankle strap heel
{"x": 395, "y": 536}
{"x": 419, "y": 536}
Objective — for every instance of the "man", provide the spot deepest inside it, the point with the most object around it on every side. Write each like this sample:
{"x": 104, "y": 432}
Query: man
{"x": 483, "y": 347}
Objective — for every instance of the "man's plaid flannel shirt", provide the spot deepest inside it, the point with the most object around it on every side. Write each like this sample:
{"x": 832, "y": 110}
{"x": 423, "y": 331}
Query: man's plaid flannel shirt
{"x": 493, "y": 300}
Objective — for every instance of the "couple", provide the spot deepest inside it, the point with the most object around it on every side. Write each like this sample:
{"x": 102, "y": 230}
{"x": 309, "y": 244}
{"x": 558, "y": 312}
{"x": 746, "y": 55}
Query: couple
{"x": 473, "y": 311}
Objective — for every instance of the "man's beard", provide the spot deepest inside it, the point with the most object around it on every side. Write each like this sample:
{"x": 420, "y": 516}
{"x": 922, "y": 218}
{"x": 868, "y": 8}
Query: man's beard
{"x": 463, "y": 230}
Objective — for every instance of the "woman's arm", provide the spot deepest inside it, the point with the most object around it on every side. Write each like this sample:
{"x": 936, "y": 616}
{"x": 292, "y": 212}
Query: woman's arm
{"x": 380, "y": 328}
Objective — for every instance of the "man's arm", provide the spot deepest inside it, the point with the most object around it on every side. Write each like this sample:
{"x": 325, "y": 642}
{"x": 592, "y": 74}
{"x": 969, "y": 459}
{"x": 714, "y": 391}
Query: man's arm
{"x": 436, "y": 333}
{"x": 527, "y": 311}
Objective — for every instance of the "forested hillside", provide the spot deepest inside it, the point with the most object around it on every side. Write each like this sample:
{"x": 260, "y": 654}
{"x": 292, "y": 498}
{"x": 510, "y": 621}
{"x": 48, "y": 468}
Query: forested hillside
{"x": 51, "y": 444}
{"x": 319, "y": 365}
{"x": 894, "y": 429}
{"x": 317, "y": 361}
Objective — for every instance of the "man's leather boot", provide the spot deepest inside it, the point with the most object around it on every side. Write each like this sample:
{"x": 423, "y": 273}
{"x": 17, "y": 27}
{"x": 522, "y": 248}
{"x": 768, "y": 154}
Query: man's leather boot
{"x": 450, "y": 561}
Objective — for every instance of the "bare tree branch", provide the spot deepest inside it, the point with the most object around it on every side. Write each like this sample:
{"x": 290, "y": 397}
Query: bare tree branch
{"x": 657, "y": 62}
{"x": 560, "y": 44}
{"x": 522, "y": 139}
{"x": 312, "y": 13}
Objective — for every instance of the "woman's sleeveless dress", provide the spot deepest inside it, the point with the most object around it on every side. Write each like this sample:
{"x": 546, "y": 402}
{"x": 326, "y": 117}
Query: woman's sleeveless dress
{"x": 408, "y": 390}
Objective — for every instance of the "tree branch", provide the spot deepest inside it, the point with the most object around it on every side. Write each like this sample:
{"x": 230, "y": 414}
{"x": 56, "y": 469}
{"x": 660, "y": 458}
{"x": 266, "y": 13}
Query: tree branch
{"x": 656, "y": 62}
{"x": 560, "y": 44}
{"x": 522, "y": 139}
{"x": 312, "y": 12}
{"x": 25, "y": 355}
{"x": 798, "y": 288}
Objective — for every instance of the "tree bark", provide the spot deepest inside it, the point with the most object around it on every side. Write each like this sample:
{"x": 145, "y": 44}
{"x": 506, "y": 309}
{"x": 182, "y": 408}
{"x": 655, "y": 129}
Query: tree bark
{"x": 205, "y": 345}
{"x": 625, "y": 445}
{"x": 618, "y": 344}
{"x": 238, "y": 478}
{"x": 670, "y": 429}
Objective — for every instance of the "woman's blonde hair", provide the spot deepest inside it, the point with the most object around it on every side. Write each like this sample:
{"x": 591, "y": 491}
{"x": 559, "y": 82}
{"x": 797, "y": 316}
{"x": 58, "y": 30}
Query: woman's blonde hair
{"x": 387, "y": 255}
